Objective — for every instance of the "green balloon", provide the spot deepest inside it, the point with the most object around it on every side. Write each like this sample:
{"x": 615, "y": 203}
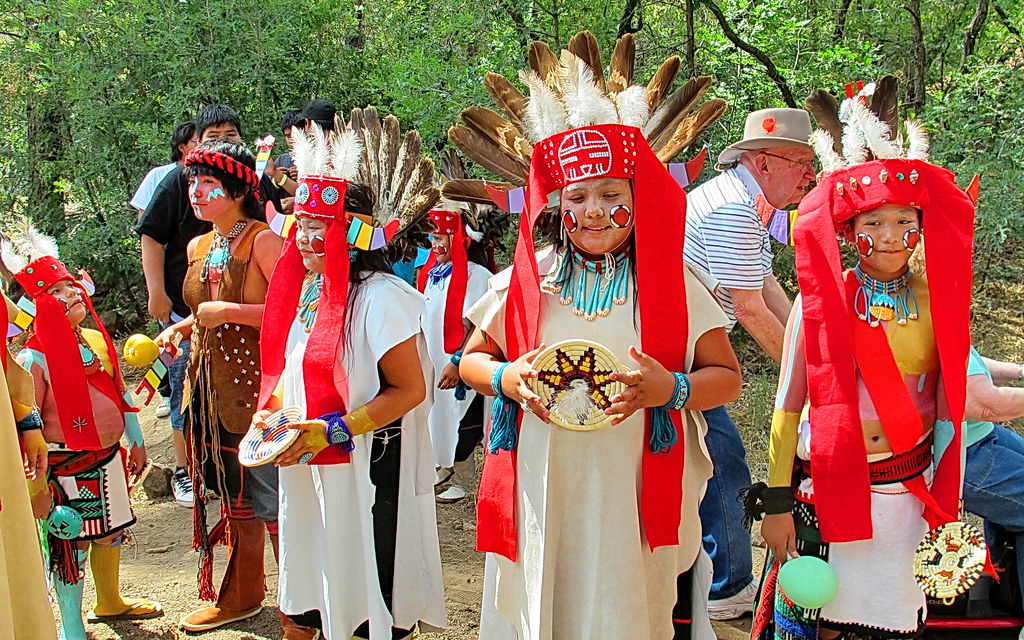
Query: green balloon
{"x": 808, "y": 582}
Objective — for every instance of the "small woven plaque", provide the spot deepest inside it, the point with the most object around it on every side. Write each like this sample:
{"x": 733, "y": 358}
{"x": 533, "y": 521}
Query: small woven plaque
{"x": 260, "y": 446}
{"x": 575, "y": 383}
{"x": 949, "y": 560}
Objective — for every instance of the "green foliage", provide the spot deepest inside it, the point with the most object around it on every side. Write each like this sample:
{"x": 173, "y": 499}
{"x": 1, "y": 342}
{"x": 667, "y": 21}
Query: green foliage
{"x": 93, "y": 89}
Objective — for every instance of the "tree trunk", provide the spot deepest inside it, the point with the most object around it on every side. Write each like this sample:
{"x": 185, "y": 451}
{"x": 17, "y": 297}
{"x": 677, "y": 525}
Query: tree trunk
{"x": 973, "y": 31}
{"x": 631, "y": 13}
{"x": 917, "y": 97}
{"x": 844, "y": 9}
{"x": 691, "y": 43}
{"x": 761, "y": 56}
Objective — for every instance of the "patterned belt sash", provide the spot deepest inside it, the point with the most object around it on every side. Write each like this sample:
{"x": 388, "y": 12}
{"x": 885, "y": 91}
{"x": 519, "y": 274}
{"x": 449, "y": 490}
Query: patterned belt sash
{"x": 69, "y": 463}
{"x": 898, "y": 468}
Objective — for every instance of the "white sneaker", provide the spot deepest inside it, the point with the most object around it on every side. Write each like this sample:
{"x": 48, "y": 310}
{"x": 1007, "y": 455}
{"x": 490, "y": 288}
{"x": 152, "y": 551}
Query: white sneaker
{"x": 181, "y": 487}
{"x": 442, "y": 475}
{"x": 454, "y": 493}
{"x": 163, "y": 410}
{"x": 734, "y": 607}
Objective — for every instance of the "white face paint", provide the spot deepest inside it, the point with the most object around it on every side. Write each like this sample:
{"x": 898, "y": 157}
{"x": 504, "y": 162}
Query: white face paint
{"x": 208, "y": 198}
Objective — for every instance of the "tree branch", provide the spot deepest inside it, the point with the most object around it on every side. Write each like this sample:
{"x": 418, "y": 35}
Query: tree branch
{"x": 917, "y": 57}
{"x": 972, "y": 33}
{"x": 629, "y": 12}
{"x": 844, "y": 9}
{"x": 761, "y": 56}
{"x": 1005, "y": 19}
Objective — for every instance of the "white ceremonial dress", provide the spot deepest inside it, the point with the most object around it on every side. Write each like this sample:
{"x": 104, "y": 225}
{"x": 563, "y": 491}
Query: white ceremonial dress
{"x": 447, "y": 412}
{"x": 326, "y": 526}
{"x": 584, "y": 569}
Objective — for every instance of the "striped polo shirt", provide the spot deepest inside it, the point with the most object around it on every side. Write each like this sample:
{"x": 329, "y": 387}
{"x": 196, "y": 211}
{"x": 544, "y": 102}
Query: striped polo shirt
{"x": 725, "y": 236}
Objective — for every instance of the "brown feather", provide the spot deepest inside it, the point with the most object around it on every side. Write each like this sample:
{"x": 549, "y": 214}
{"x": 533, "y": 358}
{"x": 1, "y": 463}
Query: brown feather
{"x": 452, "y": 167}
{"x": 507, "y": 96}
{"x": 584, "y": 46}
{"x": 487, "y": 154}
{"x": 502, "y": 132}
{"x": 662, "y": 81}
{"x": 472, "y": 191}
{"x": 691, "y": 127}
{"x": 620, "y": 72}
{"x": 886, "y": 103}
{"x": 666, "y": 119}
{"x": 825, "y": 109}
{"x": 391, "y": 147}
{"x": 545, "y": 63}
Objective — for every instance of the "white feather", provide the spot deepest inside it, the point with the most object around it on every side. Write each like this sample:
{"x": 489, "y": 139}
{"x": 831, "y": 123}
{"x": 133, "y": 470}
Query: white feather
{"x": 855, "y": 148}
{"x": 321, "y": 155}
{"x": 631, "y": 103}
{"x": 823, "y": 143}
{"x": 13, "y": 260}
{"x": 34, "y": 244}
{"x": 545, "y": 115}
{"x": 302, "y": 152}
{"x": 345, "y": 152}
{"x": 476, "y": 236}
{"x": 876, "y": 133}
{"x": 585, "y": 102}
{"x": 918, "y": 140}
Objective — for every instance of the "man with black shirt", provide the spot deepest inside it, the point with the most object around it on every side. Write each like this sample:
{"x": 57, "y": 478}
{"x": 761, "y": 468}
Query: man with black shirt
{"x": 165, "y": 229}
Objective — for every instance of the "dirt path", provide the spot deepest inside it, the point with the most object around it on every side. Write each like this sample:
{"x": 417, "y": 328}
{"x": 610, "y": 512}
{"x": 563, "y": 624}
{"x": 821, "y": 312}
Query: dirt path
{"x": 161, "y": 564}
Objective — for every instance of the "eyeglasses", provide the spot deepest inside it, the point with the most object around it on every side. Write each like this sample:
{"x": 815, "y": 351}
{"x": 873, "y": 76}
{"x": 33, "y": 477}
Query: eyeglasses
{"x": 807, "y": 165}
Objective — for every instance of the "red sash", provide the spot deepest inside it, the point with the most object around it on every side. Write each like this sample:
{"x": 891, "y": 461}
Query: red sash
{"x": 897, "y": 412}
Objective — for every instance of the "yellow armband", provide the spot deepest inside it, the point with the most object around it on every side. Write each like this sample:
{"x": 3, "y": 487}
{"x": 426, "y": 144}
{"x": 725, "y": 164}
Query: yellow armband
{"x": 782, "y": 447}
{"x": 359, "y": 421}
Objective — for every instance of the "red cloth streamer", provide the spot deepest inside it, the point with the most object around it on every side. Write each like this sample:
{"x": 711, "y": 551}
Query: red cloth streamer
{"x": 841, "y": 481}
{"x": 56, "y": 340}
{"x": 602, "y": 151}
{"x": 321, "y": 358}
{"x": 454, "y": 327}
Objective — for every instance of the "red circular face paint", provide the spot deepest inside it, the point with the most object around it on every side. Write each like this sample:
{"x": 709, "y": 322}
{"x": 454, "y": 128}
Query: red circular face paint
{"x": 319, "y": 247}
{"x": 621, "y": 216}
{"x": 911, "y": 238}
{"x": 569, "y": 220}
{"x": 865, "y": 244}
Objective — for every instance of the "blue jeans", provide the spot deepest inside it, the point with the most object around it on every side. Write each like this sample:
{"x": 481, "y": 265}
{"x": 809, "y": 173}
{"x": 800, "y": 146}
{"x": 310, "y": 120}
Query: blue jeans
{"x": 994, "y": 487}
{"x": 176, "y": 373}
{"x": 721, "y": 512}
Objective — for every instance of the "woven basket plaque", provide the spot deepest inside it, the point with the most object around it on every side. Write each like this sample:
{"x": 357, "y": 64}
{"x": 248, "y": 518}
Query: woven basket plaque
{"x": 574, "y": 383}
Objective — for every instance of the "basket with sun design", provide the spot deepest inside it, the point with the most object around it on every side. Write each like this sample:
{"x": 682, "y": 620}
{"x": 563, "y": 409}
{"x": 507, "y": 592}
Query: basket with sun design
{"x": 575, "y": 383}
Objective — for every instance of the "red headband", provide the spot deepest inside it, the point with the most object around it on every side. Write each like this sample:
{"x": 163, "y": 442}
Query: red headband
{"x": 225, "y": 163}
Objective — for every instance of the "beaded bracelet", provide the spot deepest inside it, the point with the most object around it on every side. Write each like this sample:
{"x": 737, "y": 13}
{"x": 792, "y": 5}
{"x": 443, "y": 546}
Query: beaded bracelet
{"x": 338, "y": 433}
{"x": 496, "y": 379}
{"x": 457, "y": 357}
{"x": 30, "y": 422}
{"x": 681, "y": 393}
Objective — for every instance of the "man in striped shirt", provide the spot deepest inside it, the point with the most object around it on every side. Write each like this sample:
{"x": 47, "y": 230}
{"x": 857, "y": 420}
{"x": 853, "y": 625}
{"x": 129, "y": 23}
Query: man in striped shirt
{"x": 726, "y": 237}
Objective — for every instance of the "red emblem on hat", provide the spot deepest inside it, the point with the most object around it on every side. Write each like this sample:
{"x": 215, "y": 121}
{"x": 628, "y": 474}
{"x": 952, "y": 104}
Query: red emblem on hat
{"x": 768, "y": 124}
{"x": 583, "y": 154}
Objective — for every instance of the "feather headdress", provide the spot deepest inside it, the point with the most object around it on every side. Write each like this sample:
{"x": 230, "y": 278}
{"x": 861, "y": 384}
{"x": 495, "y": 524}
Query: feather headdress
{"x": 569, "y": 91}
{"x": 863, "y": 127}
{"x": 400, "y": 176}
{"x": 26, "y": 244}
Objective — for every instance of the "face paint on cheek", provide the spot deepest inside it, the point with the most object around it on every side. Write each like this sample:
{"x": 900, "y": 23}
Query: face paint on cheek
{"x": 318, "y": 245}
{"x": 621, "y": 216}
{"x": 865, "y": 245}
{"x": 440, "y": 249}
{"x": 192, "y": 188}
{"x": 911, "y": 238}
{"x": 569, "y": 220}
{"x": 216, "y": 193}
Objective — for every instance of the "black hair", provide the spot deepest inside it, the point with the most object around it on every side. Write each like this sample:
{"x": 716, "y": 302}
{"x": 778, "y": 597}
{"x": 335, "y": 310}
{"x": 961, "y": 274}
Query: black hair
{"x": 292, "y": 118}
{"x": 234, "y": 186}
{"x": 182, "y": 134}
{"x": 215, "y": 114}
{"x": 477, "y": 252}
